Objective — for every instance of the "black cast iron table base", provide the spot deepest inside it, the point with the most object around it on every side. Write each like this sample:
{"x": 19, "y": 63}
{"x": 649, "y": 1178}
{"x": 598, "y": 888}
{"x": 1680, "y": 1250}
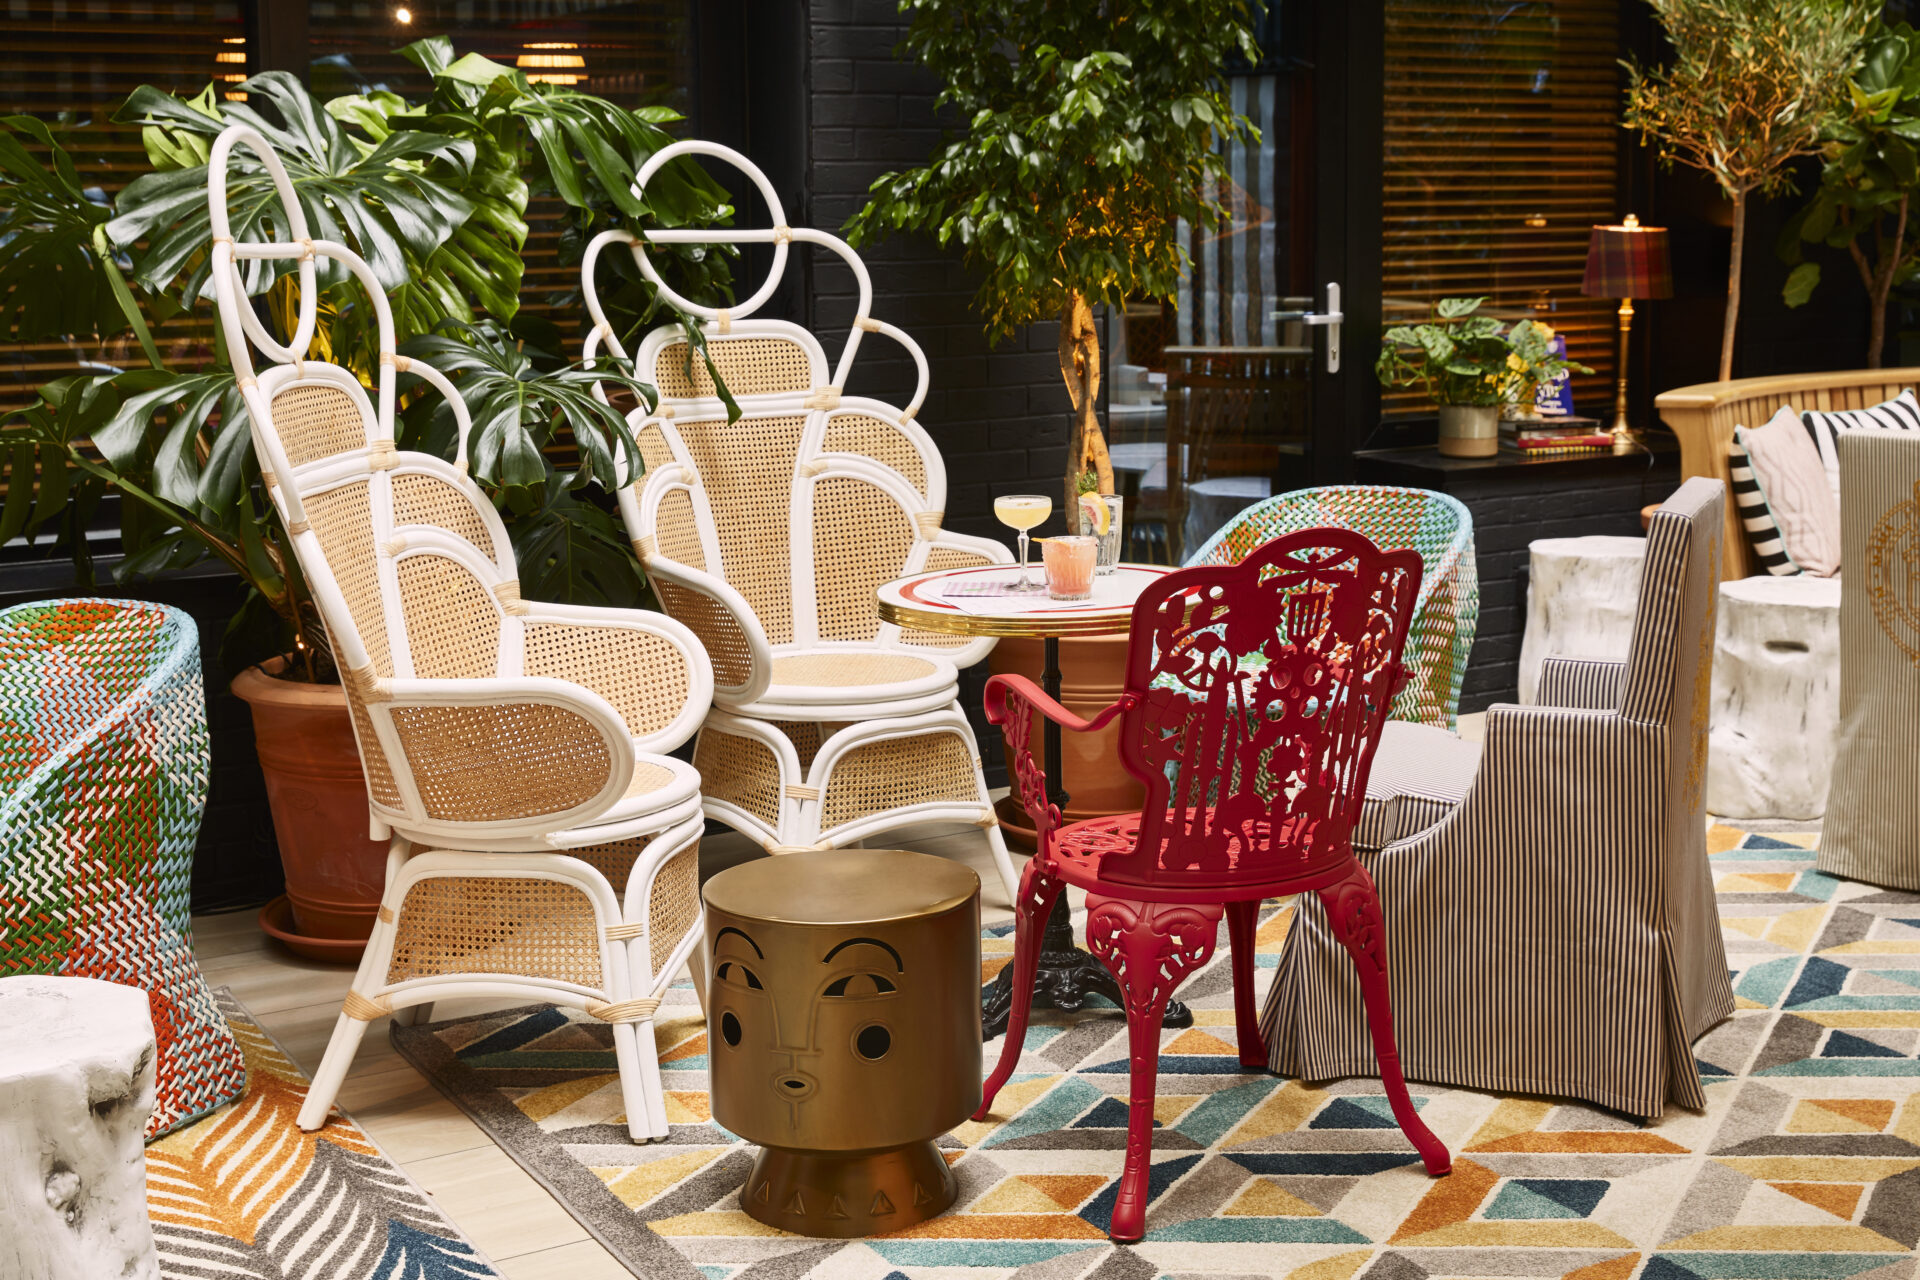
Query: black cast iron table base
{"x": 1066, "y": 975}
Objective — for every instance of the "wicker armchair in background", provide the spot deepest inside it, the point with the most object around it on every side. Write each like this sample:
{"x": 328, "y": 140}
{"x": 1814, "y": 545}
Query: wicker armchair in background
{"x": 544, "y": 846}
{"x": 768, "y": 536}
{"x": 103, "y": 776}
{"x": 1553, "y": 931}
{"x": 1437, "y": 526}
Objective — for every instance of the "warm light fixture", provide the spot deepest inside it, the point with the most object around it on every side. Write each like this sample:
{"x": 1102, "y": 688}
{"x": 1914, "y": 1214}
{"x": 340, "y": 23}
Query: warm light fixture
{"x": 1627, "y": 262}
{"x": 403, "y": 15}
{"x": 231, "y": 57}
{"x": 553, "y": 62}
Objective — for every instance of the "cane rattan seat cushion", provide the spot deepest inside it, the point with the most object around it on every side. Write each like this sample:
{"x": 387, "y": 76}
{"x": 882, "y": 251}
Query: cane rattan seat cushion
{"x": 659, "y": 783}
{"x": 871, "y": 673}
{"x": 1420, "y": 774}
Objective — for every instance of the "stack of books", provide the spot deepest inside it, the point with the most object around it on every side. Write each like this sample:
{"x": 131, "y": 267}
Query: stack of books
{"x": 1554, "y": 436}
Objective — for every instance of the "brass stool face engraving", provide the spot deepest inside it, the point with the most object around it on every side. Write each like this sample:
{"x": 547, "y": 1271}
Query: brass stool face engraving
{"x": 845, "y": 1002}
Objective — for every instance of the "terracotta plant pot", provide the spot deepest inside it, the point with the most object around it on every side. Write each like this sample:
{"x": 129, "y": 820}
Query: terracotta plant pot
{"x": 1469, "y": 430}
{"x": 1091, "y": 673}
{"x": 319, "y": 801}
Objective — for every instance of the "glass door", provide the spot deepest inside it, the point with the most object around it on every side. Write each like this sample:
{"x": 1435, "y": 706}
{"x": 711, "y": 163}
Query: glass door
{"x": 1212, "y": 394}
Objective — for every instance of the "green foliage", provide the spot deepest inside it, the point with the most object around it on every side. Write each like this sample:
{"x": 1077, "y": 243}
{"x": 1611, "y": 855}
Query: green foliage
{"x": 433, "y": 195}
{"x": 1752, "y": 85}
{"x": 1869, "y": 175}
{"x": 1462, "y": 357}
{"x": 1091, "y": 131}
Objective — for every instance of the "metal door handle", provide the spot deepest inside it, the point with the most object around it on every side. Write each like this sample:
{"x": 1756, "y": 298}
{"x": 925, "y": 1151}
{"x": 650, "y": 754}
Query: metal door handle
{"x": 1331, "y": 318}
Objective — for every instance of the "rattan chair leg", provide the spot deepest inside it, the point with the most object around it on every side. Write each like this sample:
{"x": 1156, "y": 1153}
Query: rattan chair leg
{"x": 640, "y": 1090}
{"x": 997, "y": 844}
{"x": 414, "y": 1014}
{"x": 333, "y": 1071}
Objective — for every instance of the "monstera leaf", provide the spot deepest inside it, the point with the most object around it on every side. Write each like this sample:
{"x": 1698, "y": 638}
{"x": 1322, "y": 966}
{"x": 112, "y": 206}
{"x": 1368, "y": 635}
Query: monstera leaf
{"x": 518, "y": 408}
{"x": 382, "y": 202}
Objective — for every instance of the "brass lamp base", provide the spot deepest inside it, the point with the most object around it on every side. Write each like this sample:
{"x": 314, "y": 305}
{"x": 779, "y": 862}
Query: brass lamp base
{"x": 842, "y": 1194}
{"x": 1622, "y": 429}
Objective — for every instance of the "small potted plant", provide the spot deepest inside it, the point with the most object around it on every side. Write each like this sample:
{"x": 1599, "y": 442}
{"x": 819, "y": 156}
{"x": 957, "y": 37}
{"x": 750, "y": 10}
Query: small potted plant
{"x": 1472, "y": 366}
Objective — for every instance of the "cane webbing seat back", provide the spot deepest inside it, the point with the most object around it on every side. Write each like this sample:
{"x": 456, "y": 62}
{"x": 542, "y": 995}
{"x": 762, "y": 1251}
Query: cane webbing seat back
{"x": 103, "y": 777}
{"x": 1437, "y": 526}
{"x": 768, "y": 535}
{"x": 544, "y": 842}
{"x": 1554, "y": 931}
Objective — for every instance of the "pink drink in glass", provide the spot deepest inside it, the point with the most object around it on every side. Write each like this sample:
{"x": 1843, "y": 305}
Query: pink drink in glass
{"x": 1070, "y": 561}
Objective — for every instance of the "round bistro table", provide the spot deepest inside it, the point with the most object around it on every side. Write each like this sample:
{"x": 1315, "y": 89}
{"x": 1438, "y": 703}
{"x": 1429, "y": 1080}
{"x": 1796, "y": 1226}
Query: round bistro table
{"x": 1066, "y": 975}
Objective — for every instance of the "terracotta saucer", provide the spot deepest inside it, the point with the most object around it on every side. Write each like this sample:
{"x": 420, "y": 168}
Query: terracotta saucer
{"x": 276, "y": 921}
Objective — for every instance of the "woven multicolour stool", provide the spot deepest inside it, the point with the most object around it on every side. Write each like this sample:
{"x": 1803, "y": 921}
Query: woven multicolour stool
{"x": 103, "y": 776}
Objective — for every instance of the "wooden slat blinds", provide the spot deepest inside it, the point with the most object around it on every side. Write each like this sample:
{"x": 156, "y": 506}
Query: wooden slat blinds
{"x": 74, "y": 65}
{"x": 1501, "y": 152}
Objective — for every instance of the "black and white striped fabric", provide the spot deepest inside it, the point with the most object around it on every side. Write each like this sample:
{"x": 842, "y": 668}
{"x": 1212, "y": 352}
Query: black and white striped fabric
{"x": 1750, "y": 503}
{"x": 1555, "y": 934}
{"x": 1902, "y": 413}
{"x": 1872, "y": 827}
{"x": 1420, "y": 772}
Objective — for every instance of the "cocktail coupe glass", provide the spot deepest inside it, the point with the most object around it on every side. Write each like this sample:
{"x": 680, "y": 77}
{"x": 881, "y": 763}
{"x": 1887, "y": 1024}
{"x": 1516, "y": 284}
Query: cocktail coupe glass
{"x": 1023, "y": 511}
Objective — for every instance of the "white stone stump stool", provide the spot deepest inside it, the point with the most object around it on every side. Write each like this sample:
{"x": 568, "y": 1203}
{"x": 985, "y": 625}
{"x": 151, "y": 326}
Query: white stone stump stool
{"x": 76, "y": 1087}
{"x": 1776, "y": 697}
{"x": 1581, "y": 596}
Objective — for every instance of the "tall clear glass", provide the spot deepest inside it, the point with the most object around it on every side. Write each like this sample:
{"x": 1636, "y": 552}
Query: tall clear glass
{"x": 1089, "y": 521}
{"x": 1023, "y": 511}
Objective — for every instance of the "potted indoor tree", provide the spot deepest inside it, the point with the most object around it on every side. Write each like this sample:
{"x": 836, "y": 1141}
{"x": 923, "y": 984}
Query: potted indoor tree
{"x": 1089, "y": 133}
{"x": 434, "y": 196}
{"x": 1472, "y": 367}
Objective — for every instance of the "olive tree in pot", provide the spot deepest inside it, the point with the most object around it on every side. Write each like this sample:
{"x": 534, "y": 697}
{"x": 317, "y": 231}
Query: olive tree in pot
{"x": 434, "y": 196}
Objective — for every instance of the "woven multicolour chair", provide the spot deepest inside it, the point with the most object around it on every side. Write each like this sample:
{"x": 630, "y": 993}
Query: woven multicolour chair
{"x": 103, "y": 776}
{"x": 544, "y": 845}
{"x": 1433, "y": 524}
{"x": 768, "y": 536}
{"x": 1554, "y": 931}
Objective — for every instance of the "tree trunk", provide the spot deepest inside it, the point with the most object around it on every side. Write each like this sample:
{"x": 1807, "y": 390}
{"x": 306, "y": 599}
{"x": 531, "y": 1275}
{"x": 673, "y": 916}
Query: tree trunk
{"x": 1880, "y": 288}
{"x": 1733, "y": 285}
{"x": 1080, "y": 370}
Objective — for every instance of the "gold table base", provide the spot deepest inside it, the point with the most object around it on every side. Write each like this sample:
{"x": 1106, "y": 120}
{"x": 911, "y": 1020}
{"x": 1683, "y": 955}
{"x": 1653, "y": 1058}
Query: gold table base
{"x": 842, "y": 1194}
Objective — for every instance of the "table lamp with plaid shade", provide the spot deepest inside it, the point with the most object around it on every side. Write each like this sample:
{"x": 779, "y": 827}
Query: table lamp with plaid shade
{"x": 1627, "y": 262}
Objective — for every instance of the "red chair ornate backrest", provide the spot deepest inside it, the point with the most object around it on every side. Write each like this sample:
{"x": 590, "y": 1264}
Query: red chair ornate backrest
{"x": 1255, "y": 696}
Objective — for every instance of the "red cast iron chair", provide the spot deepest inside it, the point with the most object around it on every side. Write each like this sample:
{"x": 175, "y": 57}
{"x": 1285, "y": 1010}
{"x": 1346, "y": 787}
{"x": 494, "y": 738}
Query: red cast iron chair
{"x": 1255, "y": 696}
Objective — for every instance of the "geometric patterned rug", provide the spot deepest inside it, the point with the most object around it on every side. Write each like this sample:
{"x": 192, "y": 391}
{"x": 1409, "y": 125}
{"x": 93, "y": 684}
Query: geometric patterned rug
{"x": 1805, "y": 1164}
{"x": 242, "y": 1194}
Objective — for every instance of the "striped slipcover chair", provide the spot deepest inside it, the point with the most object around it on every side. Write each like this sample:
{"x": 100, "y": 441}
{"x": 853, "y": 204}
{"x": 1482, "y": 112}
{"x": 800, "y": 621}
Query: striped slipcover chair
{"x": 767, "y": 536}
{"x": 545, "y": 846}
{"x": 1555, "y": 932}
{"x": 1435, "y": 525}
{"x": 103, "y": 776}
{"x": 1872, "y": 827}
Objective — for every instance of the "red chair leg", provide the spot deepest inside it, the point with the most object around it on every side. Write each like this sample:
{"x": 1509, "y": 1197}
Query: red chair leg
{"x": 1242, "y": 917}
{"x": 1150, "y": 948}
{"x": 1037, "y": 892}
{"x": 1353, "y": 909}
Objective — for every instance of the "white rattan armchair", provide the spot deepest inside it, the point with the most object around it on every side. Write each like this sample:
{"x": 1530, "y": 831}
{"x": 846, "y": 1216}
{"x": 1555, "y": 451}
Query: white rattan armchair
{"x": 767, "y": 536}
{"x": 543, "y": 845}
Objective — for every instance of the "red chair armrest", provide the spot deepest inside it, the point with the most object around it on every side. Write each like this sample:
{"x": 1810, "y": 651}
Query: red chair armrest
{"x": 1011, "y": 702}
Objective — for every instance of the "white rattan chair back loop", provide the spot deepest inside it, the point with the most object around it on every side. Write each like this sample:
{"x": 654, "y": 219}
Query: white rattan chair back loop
{"x": 224, "y": 269}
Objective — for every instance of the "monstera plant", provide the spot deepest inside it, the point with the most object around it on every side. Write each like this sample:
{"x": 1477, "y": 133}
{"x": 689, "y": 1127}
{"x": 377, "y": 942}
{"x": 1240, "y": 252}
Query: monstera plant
{"x": 434, "y": 195}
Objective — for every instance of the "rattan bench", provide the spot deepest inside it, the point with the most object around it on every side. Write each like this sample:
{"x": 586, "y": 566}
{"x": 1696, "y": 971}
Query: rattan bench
{"x": 767, "y": 537}
{"x": 545, "y": 846}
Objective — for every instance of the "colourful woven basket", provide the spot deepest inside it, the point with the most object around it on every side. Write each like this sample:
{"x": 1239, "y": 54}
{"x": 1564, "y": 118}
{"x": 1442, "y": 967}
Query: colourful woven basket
{"x": 103, "y": 775}
{"x": 1433, "y": 524}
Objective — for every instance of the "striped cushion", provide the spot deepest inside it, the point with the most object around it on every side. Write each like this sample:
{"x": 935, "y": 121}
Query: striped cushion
{"x": 1419, "y": 775}
{"x": 1750, "y": 502}
{"x": 1902, "y": 413}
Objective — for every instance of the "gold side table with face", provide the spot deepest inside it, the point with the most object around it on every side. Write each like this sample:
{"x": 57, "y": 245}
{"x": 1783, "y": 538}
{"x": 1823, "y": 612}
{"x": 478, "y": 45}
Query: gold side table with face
{"x": 843, "y": 1015}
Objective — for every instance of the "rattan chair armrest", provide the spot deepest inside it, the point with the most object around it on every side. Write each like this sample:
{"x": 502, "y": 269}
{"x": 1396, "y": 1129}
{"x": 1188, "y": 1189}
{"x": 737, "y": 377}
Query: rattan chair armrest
{"x": 1589, "y": 684}
{"x": 652, "y": 669}
{"x": 519, "y": 755}
{"x": 720, "y": 616}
